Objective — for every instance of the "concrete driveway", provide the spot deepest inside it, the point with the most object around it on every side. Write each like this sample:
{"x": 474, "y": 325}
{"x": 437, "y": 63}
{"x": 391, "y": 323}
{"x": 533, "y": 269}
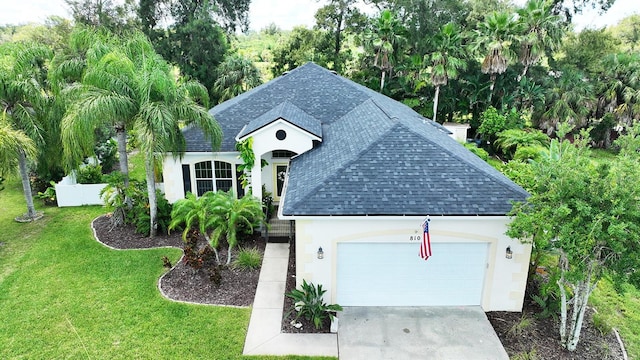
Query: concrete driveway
{"x": 372, "y": 333}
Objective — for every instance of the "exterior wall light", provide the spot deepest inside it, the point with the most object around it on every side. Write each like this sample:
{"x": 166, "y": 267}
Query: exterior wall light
{"x": 320, "y": 253}
{"x": 509, "y": 253}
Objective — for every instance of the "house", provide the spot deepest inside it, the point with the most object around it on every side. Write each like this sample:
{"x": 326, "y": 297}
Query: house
{"x": 358, "y": 173}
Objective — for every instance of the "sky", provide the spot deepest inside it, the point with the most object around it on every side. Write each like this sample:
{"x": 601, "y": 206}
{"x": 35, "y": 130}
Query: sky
{"x": 285, "y": 13}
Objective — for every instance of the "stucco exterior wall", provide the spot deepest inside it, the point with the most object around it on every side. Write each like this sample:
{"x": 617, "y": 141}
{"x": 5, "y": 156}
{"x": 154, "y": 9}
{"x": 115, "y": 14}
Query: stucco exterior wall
{"x": 297, "y": 140}
{"x": 505, "y": 279}
{"x": 172, "y": 171}
{"x": 265, "y": 141}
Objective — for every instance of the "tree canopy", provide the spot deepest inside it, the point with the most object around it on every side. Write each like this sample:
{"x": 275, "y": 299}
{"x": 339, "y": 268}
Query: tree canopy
{"x": 587, "y": 214}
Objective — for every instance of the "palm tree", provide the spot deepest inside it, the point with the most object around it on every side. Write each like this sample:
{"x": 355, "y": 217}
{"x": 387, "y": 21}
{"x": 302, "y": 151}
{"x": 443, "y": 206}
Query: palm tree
{"x": 571, "y": 99}
{"x": 541, "y": 31}
{"x": 386, "y": 39}
{"x": 620, "y": 86}
{"x": 495, "y": 35}
{"x": 196, "y": 213}
{"x": 105, "y": 96}
{"x": 528, "y": 95}
{"x": 446, "y": 60}
{"x": 216, "y": 215}
{"x": 132, "y": 87}
{"x": 163, "y": 105}
{"x": 12, "y": 142}
{"x": 232, "y": 214}
{"x": 23, "y": 100}
{"x": 236, "y": 75}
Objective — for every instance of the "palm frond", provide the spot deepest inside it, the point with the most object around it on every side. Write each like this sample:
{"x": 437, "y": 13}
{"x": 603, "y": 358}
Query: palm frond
{"x": 13, "y": 141}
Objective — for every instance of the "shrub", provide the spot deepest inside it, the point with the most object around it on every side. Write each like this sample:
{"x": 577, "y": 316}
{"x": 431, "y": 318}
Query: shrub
{"x": 547, "y": 297}
{"x": 41, "y": 178}
{"x": 201, "y": 259}
{"x": 107, "y": 154}
{"x": 601, "y": 324}
{"x": 522, "y": 173}
{"x": 525, "y": 153}
{"x": 89, "y": 174}
{"x": 141, "y": 217}
{"x": 267, "y": 203}
{"x": 518, "y": 328}
{"x": 310, "y": 304}
{"x": 492, "y": 123}
{"x": 49, "y": 195}
{"x": 249, "y": 259}
{"x": 480, "y": 152}
{"x": 131, "y": 205}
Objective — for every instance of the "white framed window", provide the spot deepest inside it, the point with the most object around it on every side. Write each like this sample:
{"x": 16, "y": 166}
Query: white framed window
{"x": 224, "y": 176}
{"x": 213, "y": 176}
{"x": 282, "y": 154}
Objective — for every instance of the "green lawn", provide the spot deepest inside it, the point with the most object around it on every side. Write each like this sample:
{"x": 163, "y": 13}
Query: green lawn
{"x": 63, "y": 295}
{"x": 621, "y": 311}
{"x": 136, "y": 166}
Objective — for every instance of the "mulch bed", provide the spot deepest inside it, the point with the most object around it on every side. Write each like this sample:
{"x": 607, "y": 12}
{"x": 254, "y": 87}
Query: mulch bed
{"x": 125, "y": 237}
{"x": 542, "y": 338}
{"x": 289, "y": 317}
{"x": 182, "y": 282}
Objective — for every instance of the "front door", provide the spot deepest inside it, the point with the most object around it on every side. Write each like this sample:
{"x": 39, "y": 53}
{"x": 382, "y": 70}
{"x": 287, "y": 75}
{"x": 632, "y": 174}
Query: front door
{"x": 280, "y": 172}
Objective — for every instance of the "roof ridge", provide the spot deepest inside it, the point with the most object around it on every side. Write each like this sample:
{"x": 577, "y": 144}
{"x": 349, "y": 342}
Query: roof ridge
{"x": 247, "y": 94}
{"x": 394, "y": 117}
{"x": 499, "y": 179}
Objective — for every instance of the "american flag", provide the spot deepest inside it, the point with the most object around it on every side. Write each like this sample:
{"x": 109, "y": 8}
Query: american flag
{"x": 425, "y": 246}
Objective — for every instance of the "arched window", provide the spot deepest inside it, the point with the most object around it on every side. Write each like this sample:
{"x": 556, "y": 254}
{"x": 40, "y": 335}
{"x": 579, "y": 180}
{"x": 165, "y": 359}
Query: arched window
{"x": 213, "y": 176}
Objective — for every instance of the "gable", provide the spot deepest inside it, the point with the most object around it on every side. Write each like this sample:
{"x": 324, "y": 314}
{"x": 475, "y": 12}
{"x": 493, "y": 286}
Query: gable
{"x": 284, "y": 112}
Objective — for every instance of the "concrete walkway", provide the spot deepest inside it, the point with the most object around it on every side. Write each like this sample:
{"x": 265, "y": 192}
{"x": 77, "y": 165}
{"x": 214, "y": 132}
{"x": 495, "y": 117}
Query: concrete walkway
{"x": 264, "y": 336}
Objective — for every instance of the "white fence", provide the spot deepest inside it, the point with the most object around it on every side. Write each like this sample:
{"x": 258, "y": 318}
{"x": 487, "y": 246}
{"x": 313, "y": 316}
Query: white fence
{"x": 70, "y": 193}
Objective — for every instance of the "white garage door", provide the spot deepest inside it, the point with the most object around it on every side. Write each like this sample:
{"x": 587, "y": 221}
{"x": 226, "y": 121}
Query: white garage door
{"x": 392, "y": 274}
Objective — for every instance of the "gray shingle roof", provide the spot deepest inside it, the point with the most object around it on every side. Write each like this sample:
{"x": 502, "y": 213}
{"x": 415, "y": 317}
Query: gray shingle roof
{"x": 288, "y": 112}
{"x": 377, "y": 156}
{"x": 310, "y": 87}
{"x": 390, "y": 162}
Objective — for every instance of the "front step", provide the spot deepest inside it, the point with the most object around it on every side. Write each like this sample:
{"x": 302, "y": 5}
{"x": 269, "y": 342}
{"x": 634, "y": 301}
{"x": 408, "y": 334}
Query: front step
{"x": 280, "y": 231}
{"x": 278, "y": 239}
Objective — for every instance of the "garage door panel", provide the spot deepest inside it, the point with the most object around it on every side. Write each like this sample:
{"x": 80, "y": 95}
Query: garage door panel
{"x": 392, "y": 274}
